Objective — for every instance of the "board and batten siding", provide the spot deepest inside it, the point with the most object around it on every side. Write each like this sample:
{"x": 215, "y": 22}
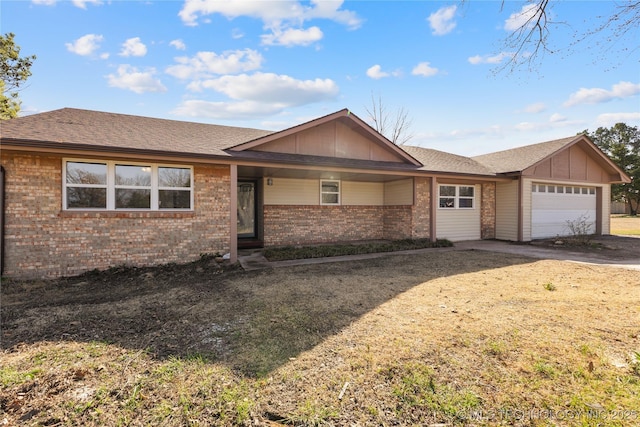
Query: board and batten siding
{"x": 398, "y": 192}
{"x": 459, "y": 224}
{"x": 507, "y": 211}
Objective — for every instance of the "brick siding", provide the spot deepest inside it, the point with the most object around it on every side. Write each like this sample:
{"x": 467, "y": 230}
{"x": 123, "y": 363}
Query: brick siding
{"x": 42, "y": 240}
{"x": 306, "y": 225}
{"x": 421, "y": 210}
{"x": 488, "y": 211}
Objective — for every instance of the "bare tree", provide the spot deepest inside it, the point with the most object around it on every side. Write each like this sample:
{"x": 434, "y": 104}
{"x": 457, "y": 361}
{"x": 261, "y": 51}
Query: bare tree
{"x": 531, "y": 40}
{"x": 395, "y": 126}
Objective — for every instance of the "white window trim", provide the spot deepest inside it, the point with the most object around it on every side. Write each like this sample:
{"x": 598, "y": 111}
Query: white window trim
{"x": 111, "y": 186}
{"x": 457, "y": 197}
{"x": 331, "y": 192}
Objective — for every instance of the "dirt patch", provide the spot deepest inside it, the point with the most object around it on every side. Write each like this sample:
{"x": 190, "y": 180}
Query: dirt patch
{"x": 440, "y": 337}
{"x": 606, "y": 247}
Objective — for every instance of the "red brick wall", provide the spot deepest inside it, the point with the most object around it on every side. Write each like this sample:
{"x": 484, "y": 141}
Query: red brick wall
{"x": 421, "y": 226}
{"x": 397, "y": 222}
{"x": 41, "y": 240}
{"x": 488, "y": 211}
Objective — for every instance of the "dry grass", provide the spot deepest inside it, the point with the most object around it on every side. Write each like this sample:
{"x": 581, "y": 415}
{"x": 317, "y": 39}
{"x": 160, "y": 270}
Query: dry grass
{"x": 453, "y": 338}
{"x": 625, "y": 225}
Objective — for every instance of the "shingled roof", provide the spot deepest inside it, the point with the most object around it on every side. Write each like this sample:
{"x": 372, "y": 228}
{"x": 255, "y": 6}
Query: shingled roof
{"x": 520, "y": 158}
{"x": 75, "y": 128}
{"x": 440, "y": 161}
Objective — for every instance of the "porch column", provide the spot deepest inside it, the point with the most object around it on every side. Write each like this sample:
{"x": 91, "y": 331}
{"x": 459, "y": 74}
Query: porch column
{"x": 233, "y": 214}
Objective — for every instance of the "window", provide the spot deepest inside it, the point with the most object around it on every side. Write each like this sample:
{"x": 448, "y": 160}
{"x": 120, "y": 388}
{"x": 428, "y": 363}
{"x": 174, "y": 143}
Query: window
{"x": 86, "y": 185}
{"x": 456, "y": 196}
{"x": 329, "y": 192}
{"x": 119, "y": 185}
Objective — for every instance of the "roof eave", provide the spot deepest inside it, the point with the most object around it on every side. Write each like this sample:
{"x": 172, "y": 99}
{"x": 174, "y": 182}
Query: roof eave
{"x": 46, "y": 146}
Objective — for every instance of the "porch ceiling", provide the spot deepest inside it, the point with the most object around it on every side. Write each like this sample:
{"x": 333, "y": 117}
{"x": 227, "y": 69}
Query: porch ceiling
{"x": 256, "y": 172}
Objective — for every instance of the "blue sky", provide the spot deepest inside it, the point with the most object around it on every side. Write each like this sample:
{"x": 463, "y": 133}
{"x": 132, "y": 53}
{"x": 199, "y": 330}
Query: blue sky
{"x": 275, "y": 64}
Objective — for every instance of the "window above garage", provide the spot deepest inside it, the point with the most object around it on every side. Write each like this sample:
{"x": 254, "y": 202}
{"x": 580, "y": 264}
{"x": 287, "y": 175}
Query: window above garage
{"x": 562, "y": 189}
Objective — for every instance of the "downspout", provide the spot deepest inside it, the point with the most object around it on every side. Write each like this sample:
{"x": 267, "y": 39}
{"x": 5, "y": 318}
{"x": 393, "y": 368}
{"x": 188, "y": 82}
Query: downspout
{"x": 1, "y": 220}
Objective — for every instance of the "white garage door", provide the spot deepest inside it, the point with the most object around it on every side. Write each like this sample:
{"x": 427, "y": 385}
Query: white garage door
{"x": 554, "y": 206}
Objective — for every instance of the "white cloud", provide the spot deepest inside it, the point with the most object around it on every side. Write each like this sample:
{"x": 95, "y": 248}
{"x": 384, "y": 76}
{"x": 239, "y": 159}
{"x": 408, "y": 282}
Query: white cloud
{"x": 292, "y": 37}
{"x": 133, "y": 47}
{"x": 178, "y": 44}
{"x": 441, "y": 21}
{"x": 489, "y": 59}
{"x": 424, "y": 69}
{"x": 556, "y": 121}
{"x": 273, "y": 14}
{"x": 274, "y": 89}
{"x": 85, "y": 45}
{"x": 525, "y": 18}
{"x": 557, "y": 118}
{"x": 597, "y": 95}
{"x": 226, "y": 110}
{"x": 207, "y": 64}
{"x": 610, "y": 119}
{"x": 537, "y": 107}
{"x": 82, "y": 4}
{"x": 375, "y": 72}
{"x": 130, "y": 78}
{"x": 237, "y": 33}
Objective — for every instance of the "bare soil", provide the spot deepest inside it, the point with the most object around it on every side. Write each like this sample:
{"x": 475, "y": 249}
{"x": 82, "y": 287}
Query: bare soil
{"x": 399, "y": 340}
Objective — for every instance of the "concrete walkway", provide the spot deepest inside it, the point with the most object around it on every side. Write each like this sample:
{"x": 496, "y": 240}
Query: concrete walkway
{"x": 256, "y": 261}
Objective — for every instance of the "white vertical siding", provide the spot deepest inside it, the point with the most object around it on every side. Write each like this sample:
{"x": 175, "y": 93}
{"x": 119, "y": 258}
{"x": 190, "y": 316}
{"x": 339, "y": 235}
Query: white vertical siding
{"x": 507, "y": 211}
{"x": 285, "y": 191}
{"x": 398, "y": 192}
{"x": 606, "y": 209}
{"x": 526, "y": 209}
{"x": 459, "y": 224}
{"x": 362, "y": 193}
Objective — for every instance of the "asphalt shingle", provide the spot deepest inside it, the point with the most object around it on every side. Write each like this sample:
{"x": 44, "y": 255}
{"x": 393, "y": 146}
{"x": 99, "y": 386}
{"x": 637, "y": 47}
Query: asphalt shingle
{"x": 70, "y": 126}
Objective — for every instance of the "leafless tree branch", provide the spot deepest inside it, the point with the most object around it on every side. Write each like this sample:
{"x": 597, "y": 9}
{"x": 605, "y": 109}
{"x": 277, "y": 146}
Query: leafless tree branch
{"x": 396, "y": 128}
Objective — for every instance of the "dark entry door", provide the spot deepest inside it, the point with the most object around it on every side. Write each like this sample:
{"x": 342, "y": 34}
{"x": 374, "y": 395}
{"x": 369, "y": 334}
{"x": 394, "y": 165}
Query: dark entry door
{"x": 247, "y": 209}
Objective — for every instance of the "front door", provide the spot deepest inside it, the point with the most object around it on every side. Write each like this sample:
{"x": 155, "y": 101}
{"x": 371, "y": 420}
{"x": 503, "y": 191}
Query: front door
{"x": 247, "y": 224}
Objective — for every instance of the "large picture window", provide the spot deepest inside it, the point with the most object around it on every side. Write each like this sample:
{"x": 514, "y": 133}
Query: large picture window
{"x": 126, "y": 186}
{"x": 456, "y": 196}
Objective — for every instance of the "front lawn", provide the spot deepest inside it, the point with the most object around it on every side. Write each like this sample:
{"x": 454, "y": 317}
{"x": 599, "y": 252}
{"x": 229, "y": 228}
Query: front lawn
{"x": 625, "y": 225}
{"x": 440, "y": 338}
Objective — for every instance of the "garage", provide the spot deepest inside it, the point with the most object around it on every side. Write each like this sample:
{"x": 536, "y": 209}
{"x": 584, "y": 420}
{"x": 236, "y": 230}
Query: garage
{"x": 555, "y": 206}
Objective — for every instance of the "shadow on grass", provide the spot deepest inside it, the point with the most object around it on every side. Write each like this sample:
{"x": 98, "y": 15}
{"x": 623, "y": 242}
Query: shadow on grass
{"x": 253, "y": 322}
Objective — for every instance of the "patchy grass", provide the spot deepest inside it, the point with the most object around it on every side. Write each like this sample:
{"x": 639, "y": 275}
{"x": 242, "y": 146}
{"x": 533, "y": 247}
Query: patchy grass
{"x": 447, "y": 338}
{"x": 321, "y": 251}
{"x": 625, "y": 225}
